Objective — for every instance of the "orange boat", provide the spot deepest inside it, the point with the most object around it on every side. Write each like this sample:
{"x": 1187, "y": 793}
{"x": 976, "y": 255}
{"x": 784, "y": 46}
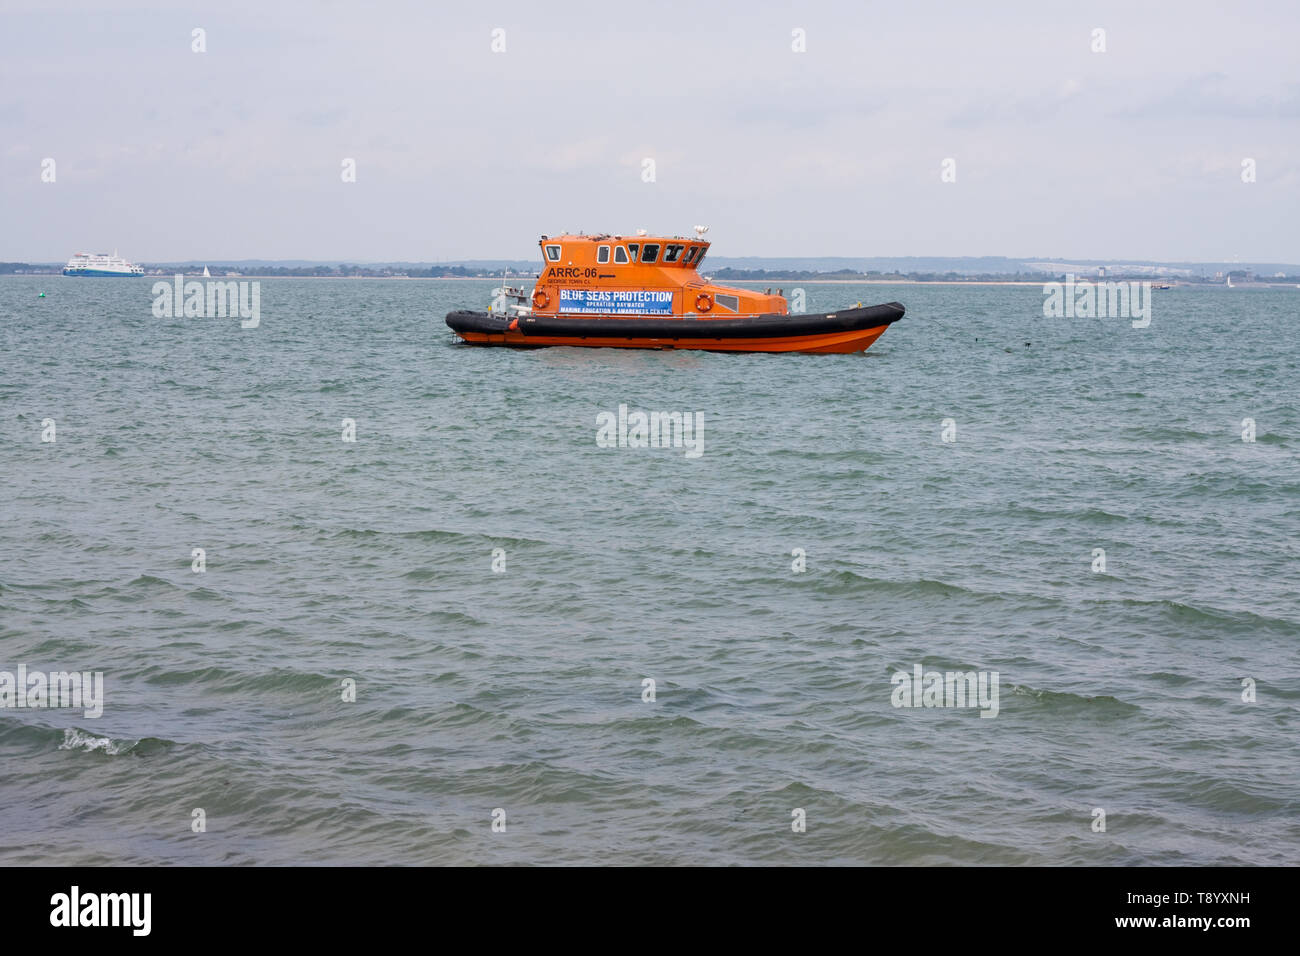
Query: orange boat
{"x": 646, "y": 292}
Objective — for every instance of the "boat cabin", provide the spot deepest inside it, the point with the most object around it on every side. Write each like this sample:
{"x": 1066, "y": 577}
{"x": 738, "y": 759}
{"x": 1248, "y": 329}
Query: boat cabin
{"x": 637, "y": 276}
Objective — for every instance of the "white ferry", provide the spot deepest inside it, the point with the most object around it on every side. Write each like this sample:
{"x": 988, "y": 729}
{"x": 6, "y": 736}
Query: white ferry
{"x": 101, "y": 264}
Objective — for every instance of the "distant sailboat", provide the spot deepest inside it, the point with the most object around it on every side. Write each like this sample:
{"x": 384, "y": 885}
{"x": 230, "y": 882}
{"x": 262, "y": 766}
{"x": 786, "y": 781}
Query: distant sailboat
{"x": 206, "y": 273}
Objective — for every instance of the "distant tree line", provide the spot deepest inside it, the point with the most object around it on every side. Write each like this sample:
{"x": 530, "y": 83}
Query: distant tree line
{"x": 852, "y": 275}
{"x": 11, "y": 268}
{"x": 742, "y": 275}
{"x": 344, "y": 271}
{"x": 339, "y": 271}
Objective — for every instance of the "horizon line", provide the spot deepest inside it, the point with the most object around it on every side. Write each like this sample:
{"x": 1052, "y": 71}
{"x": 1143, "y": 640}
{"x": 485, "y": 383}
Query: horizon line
{"x": 1089, "y": 260}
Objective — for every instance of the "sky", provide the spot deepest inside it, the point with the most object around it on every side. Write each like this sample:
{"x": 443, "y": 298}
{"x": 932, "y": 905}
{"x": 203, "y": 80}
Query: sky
{"x": 462, "y": 151}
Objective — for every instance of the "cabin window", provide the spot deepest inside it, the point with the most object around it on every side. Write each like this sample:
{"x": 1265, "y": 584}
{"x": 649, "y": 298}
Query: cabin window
{"x": 690, "y": 254}
{"x": 632, "y": 249}
{"x": 602, "y": 254}
{"x": 620, "y": 255}
{"x": 650, "y": 253}
{"x": 729, "y": 302}
{"x": 672, "y": 252}
{"x": 703, "y": 250}
{"x": 553, "y": 253}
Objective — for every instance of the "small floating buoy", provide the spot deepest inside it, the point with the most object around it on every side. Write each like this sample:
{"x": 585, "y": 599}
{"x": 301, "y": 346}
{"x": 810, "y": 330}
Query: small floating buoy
{"x": 41, "y": 296}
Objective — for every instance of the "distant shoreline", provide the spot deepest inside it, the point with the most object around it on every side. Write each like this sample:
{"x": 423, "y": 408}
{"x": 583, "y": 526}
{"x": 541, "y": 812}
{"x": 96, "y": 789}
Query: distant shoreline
{"x": 784, "y": 283}
{"x": 773, "y": 282}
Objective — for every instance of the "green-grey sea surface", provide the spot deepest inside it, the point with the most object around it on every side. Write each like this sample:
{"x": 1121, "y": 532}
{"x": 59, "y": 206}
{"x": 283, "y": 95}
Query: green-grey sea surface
{"x": 1161, "y": 692}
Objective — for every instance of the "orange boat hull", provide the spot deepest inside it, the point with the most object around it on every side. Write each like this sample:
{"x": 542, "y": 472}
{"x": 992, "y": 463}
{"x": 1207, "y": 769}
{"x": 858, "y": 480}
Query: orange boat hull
{"x": 831, "y": 342}
{"x": 846, "y": 330}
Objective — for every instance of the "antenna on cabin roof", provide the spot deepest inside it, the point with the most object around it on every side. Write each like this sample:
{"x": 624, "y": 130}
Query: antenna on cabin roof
{"x": 700, "y": 231}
